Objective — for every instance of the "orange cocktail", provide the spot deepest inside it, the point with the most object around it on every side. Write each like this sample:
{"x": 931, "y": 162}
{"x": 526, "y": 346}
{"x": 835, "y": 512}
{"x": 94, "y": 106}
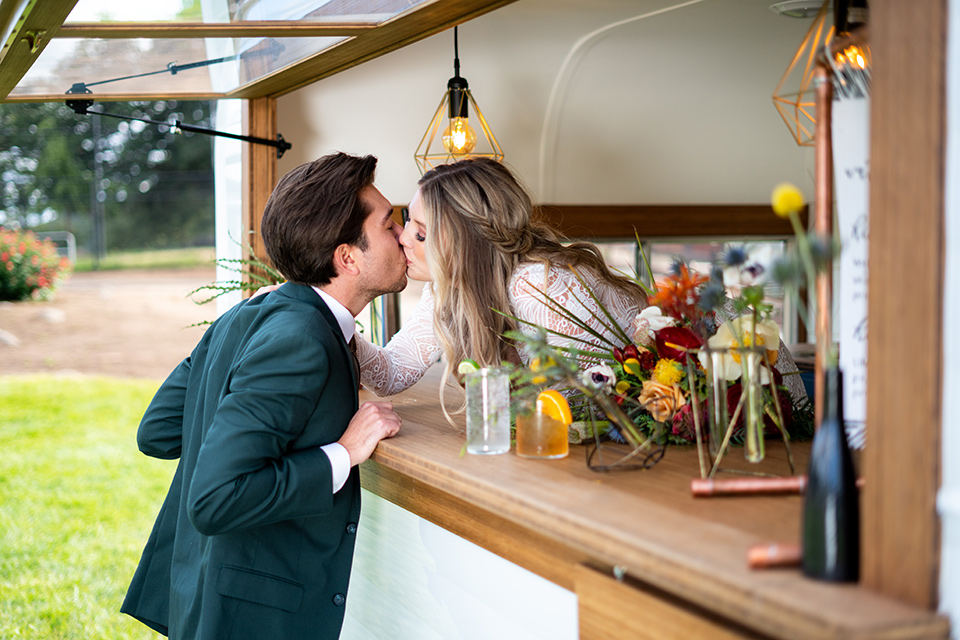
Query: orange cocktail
{"x": 542, "y": 426}
{"x": 540, "y": 436}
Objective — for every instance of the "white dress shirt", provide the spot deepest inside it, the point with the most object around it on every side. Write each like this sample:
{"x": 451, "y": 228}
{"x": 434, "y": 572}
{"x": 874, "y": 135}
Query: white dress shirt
{"x": 336, "y": 452}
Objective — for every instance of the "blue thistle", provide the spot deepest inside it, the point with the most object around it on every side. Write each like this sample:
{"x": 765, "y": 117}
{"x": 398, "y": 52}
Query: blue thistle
{"x": 713, "y": 295}
{"x": 734, "y": 257}
{"x": 676, "y": 266}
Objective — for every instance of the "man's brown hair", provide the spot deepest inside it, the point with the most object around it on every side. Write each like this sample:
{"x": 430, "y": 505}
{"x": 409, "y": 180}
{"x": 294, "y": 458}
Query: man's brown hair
{"x": 314, "y": 209}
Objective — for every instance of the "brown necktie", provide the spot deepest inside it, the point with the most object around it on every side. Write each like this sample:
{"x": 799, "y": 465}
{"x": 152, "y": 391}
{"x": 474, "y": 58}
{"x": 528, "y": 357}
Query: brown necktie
{"x": 356, "y": 361}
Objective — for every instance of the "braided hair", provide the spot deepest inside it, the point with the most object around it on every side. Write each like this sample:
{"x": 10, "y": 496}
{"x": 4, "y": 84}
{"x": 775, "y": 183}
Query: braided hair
{"x": 481, "y": 225}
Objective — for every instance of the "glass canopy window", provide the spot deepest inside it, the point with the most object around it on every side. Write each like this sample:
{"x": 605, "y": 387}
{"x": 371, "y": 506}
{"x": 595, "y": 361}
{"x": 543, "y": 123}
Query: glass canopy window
{"x": 202, "y": 67}
{"x": 127, "y": 50}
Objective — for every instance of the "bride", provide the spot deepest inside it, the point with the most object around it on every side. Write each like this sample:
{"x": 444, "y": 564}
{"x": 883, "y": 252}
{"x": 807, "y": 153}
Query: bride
{"x": 471, "y": 236}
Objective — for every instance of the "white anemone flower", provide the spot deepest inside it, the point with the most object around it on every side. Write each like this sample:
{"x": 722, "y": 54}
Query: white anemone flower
{"x": 599, "y": 376}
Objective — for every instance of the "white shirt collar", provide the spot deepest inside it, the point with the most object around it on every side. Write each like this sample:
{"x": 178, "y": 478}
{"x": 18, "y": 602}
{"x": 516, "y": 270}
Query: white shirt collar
{"x": 348, "y": 325}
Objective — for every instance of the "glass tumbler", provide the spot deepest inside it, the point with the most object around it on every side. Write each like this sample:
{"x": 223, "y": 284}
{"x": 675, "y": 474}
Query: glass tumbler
{"x": 539, "y": 435}
{"x": 488, "y": 410}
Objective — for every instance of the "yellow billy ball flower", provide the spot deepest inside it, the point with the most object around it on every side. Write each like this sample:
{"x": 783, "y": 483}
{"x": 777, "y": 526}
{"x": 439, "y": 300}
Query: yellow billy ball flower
{"x": 786, "y": 199}
{"x": 667, "y": 371}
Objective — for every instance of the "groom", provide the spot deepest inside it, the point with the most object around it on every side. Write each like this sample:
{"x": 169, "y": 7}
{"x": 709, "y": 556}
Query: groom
{"x": 255, "y": 538}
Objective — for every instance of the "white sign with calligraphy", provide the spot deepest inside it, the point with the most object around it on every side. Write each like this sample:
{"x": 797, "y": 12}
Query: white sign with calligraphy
{"x": 851, "y": 163}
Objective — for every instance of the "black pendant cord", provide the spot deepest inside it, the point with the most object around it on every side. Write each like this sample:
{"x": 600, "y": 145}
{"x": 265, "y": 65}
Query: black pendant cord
{"x": 456, "y": 55}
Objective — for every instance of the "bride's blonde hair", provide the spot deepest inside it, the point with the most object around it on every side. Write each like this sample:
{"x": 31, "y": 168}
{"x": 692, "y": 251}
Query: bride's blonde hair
{"x": 480, "y": 225}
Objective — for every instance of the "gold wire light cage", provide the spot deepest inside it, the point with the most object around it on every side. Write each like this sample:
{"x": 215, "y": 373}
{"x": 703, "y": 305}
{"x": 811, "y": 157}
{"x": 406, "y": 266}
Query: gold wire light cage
{"x": 459, "y": 140}
{"x": 798, "y": 107}
{"x": 431, "y": 152}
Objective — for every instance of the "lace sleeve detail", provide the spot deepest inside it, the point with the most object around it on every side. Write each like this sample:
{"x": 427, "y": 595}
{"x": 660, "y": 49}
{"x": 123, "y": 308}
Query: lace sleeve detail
{"x": 407, "y": 356}
{"x": 563, "y": 286}
{"x": 791, "y": 378}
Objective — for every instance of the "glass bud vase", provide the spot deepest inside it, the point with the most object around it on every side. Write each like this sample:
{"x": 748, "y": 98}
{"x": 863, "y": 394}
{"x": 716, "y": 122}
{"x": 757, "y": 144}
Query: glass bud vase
{"x": 717, "y": 408}
{"x": 751, "y": 362}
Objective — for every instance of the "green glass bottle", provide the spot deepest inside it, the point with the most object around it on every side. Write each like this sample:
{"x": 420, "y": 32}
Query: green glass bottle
{"x": 831, "y": 505}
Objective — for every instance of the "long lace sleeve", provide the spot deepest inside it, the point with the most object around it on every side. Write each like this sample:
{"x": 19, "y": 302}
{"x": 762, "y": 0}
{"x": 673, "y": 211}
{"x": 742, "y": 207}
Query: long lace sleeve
{"x": 407, "y": 356}
{"x": 563, "y": 287}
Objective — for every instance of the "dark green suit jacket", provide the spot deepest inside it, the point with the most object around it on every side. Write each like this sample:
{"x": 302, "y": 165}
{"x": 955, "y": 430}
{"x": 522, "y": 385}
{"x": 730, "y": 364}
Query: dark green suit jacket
{"x": 251, "y": 541}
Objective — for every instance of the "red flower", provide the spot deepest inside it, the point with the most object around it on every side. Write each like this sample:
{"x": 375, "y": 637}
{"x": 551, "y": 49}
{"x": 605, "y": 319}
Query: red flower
{"x": 647, "y": 360}
{"x": 683, "y": 424}
{"x": 670, "y": 338}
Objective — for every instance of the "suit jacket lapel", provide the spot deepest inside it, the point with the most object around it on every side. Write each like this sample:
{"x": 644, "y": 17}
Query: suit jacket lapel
{"x": 308, "y": 295}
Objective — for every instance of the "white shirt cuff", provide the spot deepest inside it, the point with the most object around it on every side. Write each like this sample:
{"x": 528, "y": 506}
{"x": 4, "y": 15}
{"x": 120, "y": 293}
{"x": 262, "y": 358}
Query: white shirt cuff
{"x": 339, "y": 463}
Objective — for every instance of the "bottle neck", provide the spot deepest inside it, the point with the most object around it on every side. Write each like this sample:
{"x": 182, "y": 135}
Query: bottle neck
{"x": 833, "y": 395}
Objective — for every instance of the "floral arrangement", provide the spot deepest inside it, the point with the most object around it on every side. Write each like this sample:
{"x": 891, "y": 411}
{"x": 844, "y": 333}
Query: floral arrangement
{"x": 698, "y": 367}
{"x": 30, "y": 268}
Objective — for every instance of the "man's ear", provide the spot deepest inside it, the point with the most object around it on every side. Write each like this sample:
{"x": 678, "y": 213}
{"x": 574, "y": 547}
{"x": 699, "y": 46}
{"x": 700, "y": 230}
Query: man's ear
{"x": 345, "y": 259}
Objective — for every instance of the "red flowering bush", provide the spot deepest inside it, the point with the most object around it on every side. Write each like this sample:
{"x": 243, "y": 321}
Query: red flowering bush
{"x": 29, "y": 267}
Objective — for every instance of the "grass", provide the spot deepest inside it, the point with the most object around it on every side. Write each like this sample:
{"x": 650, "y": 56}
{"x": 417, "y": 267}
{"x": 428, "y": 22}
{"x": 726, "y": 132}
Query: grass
{"x": 150, "y": 259}
{"x": 77, "y": 502}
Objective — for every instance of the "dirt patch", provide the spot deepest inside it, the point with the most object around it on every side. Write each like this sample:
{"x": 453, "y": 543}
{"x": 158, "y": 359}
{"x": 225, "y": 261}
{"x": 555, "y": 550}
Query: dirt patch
{"x": 116, "y": 323}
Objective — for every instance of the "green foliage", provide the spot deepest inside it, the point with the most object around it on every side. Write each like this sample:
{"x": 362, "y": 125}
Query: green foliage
{"x": 29, "y": 267}
{"x": 77, "y": 502}
{"x": 252, "y": 273}
{"x": 155, "y": 185}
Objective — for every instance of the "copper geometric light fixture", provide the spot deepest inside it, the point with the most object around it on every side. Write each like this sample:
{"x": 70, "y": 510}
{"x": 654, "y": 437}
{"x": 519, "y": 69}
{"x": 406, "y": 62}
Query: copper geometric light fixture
{"x": 458, "y": 140}
{"x": 794, "y": 97}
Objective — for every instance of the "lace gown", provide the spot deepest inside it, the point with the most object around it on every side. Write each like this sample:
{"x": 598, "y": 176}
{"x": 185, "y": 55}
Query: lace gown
{"x": 414, "y": 349}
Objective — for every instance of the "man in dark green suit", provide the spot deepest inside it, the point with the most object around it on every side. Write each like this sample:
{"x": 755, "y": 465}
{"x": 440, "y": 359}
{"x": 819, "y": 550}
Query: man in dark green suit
{"x": 255, "y": 538}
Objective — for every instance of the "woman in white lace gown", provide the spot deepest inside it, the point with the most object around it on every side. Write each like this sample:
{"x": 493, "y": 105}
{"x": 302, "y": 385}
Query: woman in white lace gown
{"x": 471, "y": 235}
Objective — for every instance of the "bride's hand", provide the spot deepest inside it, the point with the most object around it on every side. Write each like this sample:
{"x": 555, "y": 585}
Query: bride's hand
{"x": 265, "y": 289}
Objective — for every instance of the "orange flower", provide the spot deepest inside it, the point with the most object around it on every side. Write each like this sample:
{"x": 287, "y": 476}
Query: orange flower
{"x": 677, "y": 295}
{"x": 661, "y": 400}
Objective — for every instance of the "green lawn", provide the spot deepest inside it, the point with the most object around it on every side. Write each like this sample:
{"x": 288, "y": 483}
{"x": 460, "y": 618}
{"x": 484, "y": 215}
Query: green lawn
{"x": 77, "y": 502}
{"x": 150, "y": 259}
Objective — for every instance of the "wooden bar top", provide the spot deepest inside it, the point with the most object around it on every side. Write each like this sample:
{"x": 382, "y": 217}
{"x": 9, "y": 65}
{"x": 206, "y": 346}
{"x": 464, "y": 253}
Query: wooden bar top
{"x": 644, "y": 522}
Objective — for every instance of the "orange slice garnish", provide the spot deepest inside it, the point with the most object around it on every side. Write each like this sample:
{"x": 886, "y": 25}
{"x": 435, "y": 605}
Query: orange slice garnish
{"x": 553, "y": 404}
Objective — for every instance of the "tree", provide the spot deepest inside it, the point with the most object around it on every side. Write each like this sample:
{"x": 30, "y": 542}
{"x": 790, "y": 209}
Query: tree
{"x": 155, "y": 185}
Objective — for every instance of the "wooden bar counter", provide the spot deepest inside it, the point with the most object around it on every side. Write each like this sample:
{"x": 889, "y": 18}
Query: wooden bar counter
{"x": 644, "y": 557}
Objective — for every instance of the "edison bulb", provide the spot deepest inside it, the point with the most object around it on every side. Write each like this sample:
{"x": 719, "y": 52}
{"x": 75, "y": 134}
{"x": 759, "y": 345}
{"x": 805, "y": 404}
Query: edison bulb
{"x": 459, "y": 137}
{"x": 852, "y": 55}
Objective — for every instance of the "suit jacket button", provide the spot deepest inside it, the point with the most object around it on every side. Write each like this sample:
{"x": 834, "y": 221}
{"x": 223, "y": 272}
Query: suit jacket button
{"x": 351, "y": 528}
{"x": 339, "y": 599}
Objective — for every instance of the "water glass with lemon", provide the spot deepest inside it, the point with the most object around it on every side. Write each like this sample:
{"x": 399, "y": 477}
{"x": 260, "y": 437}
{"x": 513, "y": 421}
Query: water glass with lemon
{"x": 488, "y": 408}
{"x": 542, "y": 425}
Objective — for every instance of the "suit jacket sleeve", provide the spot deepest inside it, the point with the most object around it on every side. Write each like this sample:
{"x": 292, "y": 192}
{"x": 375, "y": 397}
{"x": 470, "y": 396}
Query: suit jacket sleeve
{"x": 160, "y": 434}
{"x": 254, "y": 468}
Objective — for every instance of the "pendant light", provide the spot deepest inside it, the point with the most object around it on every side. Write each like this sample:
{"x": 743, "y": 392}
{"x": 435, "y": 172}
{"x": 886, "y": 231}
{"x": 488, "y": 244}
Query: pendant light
{"x": 459, "y": 139}
{"x": 794, "y": 96}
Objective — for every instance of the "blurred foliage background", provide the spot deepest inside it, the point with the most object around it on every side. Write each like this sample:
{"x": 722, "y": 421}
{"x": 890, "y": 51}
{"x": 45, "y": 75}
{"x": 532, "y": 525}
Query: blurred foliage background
{"x": 152, "y": 186}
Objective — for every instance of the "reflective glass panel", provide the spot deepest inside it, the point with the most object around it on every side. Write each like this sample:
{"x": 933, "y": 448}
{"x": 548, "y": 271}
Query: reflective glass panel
{"x": 201, "y": 66}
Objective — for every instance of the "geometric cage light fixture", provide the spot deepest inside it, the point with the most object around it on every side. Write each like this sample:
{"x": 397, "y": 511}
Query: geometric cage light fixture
{"x": 794, "y": 97}
{"x": 459, "y": 139}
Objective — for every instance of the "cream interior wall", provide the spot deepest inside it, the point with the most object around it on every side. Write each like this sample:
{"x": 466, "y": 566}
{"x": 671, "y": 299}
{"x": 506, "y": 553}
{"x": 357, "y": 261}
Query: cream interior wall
{"x": 667, "y": 102}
